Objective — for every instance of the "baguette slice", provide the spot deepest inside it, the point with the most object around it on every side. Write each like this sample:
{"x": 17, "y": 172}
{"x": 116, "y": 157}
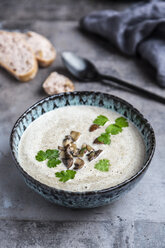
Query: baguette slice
{"x": 42, "y": 48}
{"x": 17, "y": 57}
{"x": 57, "y": 83}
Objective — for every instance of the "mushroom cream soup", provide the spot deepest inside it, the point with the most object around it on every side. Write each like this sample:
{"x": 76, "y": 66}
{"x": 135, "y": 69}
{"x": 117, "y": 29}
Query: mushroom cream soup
{"x": 101, "y": 166}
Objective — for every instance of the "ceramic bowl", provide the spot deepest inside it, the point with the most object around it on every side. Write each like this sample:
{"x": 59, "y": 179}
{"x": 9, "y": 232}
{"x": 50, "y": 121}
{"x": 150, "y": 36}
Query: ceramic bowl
{"x": 88, "y": 199}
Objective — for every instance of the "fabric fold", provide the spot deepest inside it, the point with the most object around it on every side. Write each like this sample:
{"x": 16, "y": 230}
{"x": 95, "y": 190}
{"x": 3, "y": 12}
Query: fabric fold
{"x": 139, "y": 29}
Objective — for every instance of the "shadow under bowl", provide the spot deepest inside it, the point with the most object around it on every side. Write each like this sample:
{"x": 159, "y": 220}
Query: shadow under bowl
{"x": 88, "y": 199}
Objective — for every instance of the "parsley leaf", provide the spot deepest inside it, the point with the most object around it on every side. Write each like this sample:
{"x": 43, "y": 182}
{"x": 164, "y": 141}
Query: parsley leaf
{"x": 103, "y": 165}
{"x": 113, "y": 129}
{"x": 41, "y": 156}
{"x": 100, "y": 120}
{"x": 65, "y": 175}
{"x": 104, "y": 138}
{"x": 53, "y": 162}
{"x": 52, "y": 153}
{"x": 121, "y": 122}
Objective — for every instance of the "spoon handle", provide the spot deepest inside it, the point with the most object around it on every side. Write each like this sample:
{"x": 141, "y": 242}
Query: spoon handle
{"x": 140, "y": 90}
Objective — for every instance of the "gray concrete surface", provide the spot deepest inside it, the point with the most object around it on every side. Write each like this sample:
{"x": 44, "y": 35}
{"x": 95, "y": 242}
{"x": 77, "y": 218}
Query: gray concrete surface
{"x": 27, "y": 220}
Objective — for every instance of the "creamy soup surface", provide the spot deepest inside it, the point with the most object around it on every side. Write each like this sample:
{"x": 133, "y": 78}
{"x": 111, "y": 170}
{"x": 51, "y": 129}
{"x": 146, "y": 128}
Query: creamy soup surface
{"x": 125, "y": 153}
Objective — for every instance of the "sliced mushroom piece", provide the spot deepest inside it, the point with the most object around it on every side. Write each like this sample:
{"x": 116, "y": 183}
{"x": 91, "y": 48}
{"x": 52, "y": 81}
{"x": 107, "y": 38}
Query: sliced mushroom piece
{"x": 97, "y": 153}
{"x": 91, "y": 156}
{"x": 67, "y": 140}
{"x": 74, "y": 150}
{"x": 61, "y": 148}
{"x": 94, "y": 154}
{"x": 83, "y": 150}
{"x": 62, "y": 154}
{"x": 68, "y": 137}
{"x": 79, "y": 163}
{"x": 68, "y": 152}
{"x": 97, "y": 142}
{"x": 73, "y": 146}
{"x": 76, "y": 153}
{"x": 75, "y": 135}
{"x": 89, "y": 148}
{"x": 93, "y": 127}
{"x": 67, "y": 162}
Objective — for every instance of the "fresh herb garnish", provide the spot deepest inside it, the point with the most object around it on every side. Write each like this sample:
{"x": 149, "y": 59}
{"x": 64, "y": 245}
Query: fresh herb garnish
{"x": 104, "y": 138}
{"x": 100, "y": 120}
{"x": 121, "y": 122}
{"x": 53, "y": 162}
{"x": 41, "y": 156}
{"x": 103, "y": 165}
{"x": 51, "y": 155}
{"x": 65, "y": 175}
{"x": 113, "y": 129}
{"x": 117, "y": 127}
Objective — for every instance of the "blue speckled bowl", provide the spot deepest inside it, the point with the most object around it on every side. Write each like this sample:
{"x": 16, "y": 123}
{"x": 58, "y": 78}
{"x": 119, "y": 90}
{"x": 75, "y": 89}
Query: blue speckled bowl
{"x": 88, "y": 199}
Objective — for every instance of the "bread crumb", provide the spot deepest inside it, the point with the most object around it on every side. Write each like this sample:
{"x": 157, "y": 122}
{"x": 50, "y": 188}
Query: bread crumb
{"x": 57, "y": 83}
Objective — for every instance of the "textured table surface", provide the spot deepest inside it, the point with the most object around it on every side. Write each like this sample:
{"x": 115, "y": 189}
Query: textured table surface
{"x": 27, "y": 220}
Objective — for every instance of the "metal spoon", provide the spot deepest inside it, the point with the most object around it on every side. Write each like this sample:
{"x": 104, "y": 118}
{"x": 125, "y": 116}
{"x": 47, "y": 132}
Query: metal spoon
{"x": 84, "y": 70}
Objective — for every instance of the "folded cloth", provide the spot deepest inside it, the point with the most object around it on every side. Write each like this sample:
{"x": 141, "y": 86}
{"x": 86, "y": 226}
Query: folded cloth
{"x": 139, "y": 29}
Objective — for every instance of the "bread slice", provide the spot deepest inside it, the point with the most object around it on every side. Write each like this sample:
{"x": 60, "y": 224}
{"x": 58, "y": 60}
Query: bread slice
{"x": 42, "y": 48}
{"x": 17, "y": 57}
{"x": 57, "y": 83}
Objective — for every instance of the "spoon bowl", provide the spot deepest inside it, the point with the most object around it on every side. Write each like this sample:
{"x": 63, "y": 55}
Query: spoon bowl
{"x": 79, "y": 67}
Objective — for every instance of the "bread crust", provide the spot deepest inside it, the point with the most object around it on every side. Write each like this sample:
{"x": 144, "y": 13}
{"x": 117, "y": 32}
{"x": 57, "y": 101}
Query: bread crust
{"x": 26, "y": 76}
{"x": 45, "y": 63}
{"x": 30, "y": 75}
{"x": 42, "y": 62}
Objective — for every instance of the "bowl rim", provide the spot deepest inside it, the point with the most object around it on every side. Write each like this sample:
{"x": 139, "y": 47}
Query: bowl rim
{"x": 77, "y": 193}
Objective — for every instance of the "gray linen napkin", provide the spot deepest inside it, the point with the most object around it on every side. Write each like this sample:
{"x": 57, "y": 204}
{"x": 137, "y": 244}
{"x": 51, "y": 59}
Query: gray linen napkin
{"x": 139, "y": 29}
